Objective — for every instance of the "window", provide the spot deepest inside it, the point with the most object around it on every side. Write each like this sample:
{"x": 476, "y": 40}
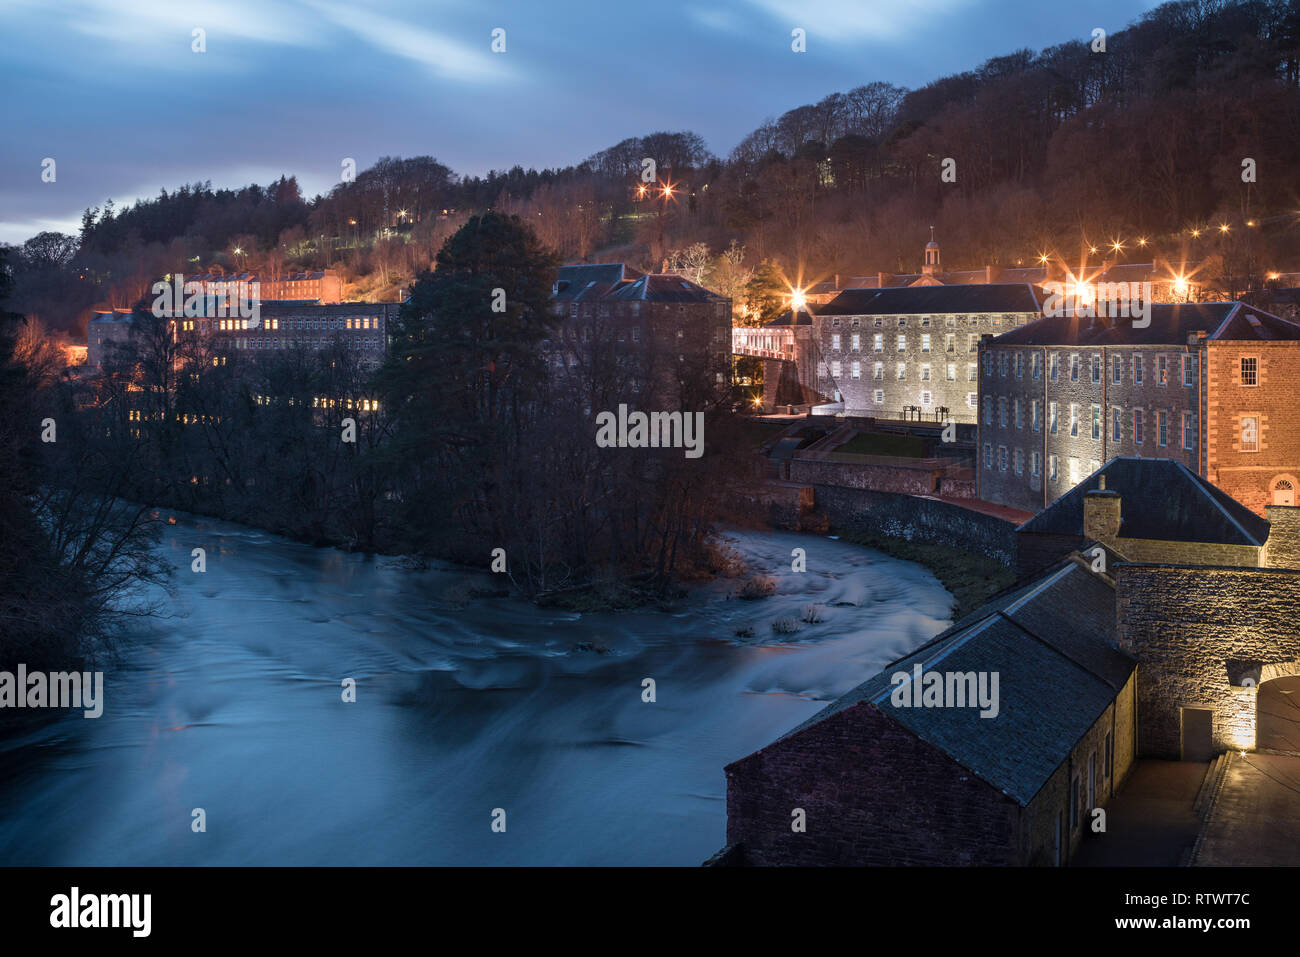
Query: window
{"x": 1137, "y": 426}
{"x": 988, "y": 365}
{"x": 1187, "y": 370}
{"x": 835, "y": 342}
{"x": 1137, "y": 370}
{"x": 902, "y": 370}
{"x": 901, "y": 322}
{"x": 835, "y": 368}
{"x": 1116, "y": 368}
{"x": 1035, "y": 464}
{"x": 925, "y": 373}
{"x": 880, "y": 396}
{"x": 1074, "y": 472}
{"x": 952, "y": 372}
{"x": 927, "y": 398}
{"x": 1002, "y": 411}
{"x": 1162, "y": 428}
{"x": 1020, "y": 422}
{"x": 988, "y": 410}
{"x": 970, "y": 399}
{"x": 1096, "y": 421}
{"x": 1020, "y": 365}
{"x": 988, "y": 456}
{"x": 970, "y": 372}
{"x": 1052, "y": 472}
{"x": 878, "y": 322}
{"x": 1249, "y": 433}
{"x": 1051, "y": 417}
{"x": 1034, "y": 422}
{"x": 1002, "y": 458}
{"x": 1019, "y": 462}
{"x": 1116, "y": 428}
{"x": 950, "y": 343}
{"x": 1002, "y": 364}
{"x": 1096, "y": 368}
{"x": 1189, "y": 432}
{"x": 1249, "y": 370}
{"x": 973, "y": 342}
{"x": 1036, "y": 366}
{"x": 902, "y": 342}
{"x": 925, "y": 342}
{"x": 878, "y": 371}
{"x": 856, "y": 340}
{"x": 925, "y": 321}
{"x": 878, "y": 342}
{"x": 857, "y": 370}
{"x": 1162, "y": 370}
{"x": 1074, "y": 368}
{"x": 1054, "y": 367}
{"x": 1074, "y": 419}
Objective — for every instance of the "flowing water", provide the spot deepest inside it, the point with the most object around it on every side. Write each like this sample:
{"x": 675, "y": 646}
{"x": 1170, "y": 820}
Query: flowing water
{"x": 233, "y": 704}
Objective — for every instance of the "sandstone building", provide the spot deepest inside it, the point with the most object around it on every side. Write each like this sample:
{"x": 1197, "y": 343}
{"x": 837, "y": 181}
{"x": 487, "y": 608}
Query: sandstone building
{"x": 1210, "y": 385}
{"x": 895, "y": 353}
{"x": 651, "y": 339}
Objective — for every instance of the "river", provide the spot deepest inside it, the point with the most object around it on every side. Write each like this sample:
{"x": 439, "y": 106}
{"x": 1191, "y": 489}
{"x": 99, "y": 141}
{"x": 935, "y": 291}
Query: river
{"x": 233, "y": 704}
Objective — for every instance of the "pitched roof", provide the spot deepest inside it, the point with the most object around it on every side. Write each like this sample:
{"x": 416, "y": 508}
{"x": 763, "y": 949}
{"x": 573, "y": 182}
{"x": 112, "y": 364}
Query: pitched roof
{"x": 1170, "y": 324}
{"x": 1049, "y": 641}
{"x": 1000, "y": 297}
{"x": 1160, "y": 500}
{"x": 664, "y": 287}
{"x": 571, "y": 280}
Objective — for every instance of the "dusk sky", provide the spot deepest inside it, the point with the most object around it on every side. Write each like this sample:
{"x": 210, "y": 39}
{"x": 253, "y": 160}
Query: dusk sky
{"x": 112, "y": 91}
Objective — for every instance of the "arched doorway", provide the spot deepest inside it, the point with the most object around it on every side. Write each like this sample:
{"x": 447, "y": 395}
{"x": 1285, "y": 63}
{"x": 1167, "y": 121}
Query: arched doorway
{"x": 1282, "y": 489}
{"x": 1277, "y": 710}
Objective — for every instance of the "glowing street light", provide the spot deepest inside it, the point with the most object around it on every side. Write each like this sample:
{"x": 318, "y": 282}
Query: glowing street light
{"x": 1223, "y": 227}
{"x": 1196, "y": 234}
{"x": 797, "y": 299}
{"x": 1142, "y": 240}
{"x": 1042, "y": 258}
{"x": 1180, "y": 285}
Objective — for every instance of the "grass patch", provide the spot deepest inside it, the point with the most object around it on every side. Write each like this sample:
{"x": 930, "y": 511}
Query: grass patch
{"x": 865, "y": 443}
{"x": 969, "y": 577}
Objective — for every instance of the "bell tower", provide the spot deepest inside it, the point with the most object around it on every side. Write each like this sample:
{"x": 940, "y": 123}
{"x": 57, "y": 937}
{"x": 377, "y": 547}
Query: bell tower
{"x": 931, "y": 266}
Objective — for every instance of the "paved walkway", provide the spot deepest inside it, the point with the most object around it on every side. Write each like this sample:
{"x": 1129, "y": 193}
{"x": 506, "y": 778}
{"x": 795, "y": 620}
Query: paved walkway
{"x": 1256, "y": 820}
{"x": 1150, "y": 822}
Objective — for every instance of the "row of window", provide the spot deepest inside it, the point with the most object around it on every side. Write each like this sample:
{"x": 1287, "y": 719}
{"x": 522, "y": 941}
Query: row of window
{"x": 927, "y": 398}
{"x": 951, "y": 321}
{"x": 1119, "y": 365}
{"x": 1014, "y": 460}
{"x": 900, "y": 370}
{"x": 1012, "y": 411}
{"x": 273, "y": 323}
{"x": 278, "y": 343}
{"x": 878, "y": 342}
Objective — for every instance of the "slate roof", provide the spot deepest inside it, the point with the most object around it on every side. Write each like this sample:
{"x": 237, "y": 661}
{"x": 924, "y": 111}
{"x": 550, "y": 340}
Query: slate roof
{"x": 998, "y": 297}
{"x": 1171, "y": 324}
{"x": 1159, "y": 499}
{"x": 570, "y": 281}
{"x": 664, "y": 287}
{"x": 1049, "y": 641}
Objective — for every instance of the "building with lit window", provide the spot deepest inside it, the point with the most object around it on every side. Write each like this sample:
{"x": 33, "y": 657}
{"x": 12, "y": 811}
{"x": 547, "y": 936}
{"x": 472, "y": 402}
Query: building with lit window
{"x": 1209, "y": 385}
{"x": 911, "y": 352}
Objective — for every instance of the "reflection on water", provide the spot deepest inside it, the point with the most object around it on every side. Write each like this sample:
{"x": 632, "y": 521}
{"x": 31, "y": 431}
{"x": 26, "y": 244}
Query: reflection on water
{"x": 463, "y": 705}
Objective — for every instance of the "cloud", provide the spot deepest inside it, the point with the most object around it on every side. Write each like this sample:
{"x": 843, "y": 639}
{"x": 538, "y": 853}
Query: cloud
{"x": 445, "y": 57}
{"x": 844, "y": 21}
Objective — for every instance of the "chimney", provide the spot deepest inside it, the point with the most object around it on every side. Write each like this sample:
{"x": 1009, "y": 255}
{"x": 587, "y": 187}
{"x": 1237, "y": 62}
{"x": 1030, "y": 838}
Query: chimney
{"x": 992, "y": 274}
{"x": 1282, "y": 550}
{"x": 837, "y": 280}
{"x": 882, "y": 280}
{"x": 1101, "y": 514}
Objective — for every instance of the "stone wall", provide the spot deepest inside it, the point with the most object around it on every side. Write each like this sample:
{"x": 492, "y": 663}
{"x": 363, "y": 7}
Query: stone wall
{"x": 911, "y": 480}
{"x": 917, "y": 519}
{"x": 1205, "y": 637}
{"x": 873, "y": 794}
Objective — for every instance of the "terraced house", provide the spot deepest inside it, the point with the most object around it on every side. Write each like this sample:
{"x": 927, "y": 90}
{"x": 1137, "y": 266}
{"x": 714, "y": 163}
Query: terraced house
{"x": 912, "y": 352}
{"x": 1210, "y": 385}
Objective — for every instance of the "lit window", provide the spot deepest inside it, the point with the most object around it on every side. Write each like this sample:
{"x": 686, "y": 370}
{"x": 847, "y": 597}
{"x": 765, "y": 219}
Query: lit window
{"x": 1250, "y": 371}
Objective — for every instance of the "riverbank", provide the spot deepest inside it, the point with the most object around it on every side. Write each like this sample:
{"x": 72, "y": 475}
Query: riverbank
{"x": 969, "y": 577}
